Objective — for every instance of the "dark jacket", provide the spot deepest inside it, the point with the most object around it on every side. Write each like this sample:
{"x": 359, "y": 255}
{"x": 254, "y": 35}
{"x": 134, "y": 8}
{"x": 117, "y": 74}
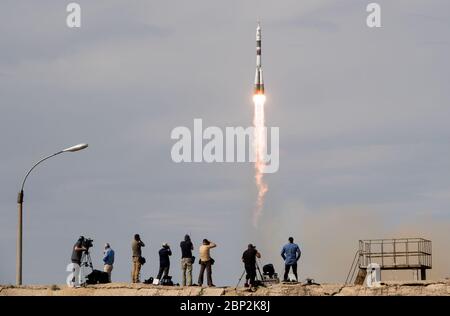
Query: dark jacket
{"x": 186, "y": 249}
{"x": 164, "y": 254}
{"x": 249, "y": 257}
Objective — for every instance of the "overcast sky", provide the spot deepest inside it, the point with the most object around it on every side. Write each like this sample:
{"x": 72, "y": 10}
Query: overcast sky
{"x": 363, "y": 116}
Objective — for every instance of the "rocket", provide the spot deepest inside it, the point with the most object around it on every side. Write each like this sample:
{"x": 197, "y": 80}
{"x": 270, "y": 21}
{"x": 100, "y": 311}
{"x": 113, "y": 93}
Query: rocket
{"x": 259, "y": 82}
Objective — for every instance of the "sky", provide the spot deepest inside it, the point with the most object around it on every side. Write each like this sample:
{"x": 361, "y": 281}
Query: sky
{"x": 363, "y": 116}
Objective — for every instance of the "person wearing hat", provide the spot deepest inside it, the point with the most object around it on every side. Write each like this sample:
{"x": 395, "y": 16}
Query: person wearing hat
{"x": 108, "y": 260}
{"x": 249, "y": 258}
{"x": 77, "y": 254}
{"x": 164, "y": 261}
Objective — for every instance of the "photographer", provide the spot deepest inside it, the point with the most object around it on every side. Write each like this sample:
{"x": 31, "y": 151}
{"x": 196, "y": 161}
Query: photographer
{"x": 186, "y": 260}
{"x": 77, "y": 253}
{"x": 249, "y": 258}
{"x": 136, "y": 246}
{"x": 206, "y": 262}
{"x": 164, "y": 261}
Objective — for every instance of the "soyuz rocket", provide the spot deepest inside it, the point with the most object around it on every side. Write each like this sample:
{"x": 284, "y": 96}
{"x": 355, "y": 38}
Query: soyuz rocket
{"x": 259, "y": 82}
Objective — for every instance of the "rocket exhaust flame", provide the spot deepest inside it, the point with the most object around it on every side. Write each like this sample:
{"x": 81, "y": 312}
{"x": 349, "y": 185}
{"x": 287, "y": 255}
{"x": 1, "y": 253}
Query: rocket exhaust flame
{"x": 259, "y": 138}
{"x": 259, "y": 150}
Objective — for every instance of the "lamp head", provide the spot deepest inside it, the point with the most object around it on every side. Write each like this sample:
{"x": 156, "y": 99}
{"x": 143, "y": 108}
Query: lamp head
{"x": 75, "y": 148}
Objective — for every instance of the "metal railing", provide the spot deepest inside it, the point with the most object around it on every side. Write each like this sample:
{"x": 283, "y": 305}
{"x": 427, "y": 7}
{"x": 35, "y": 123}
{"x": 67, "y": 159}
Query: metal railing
{"x": 391, "y": 254}
{"x": 396, "y": 254}
{"x": 353, "y": 268}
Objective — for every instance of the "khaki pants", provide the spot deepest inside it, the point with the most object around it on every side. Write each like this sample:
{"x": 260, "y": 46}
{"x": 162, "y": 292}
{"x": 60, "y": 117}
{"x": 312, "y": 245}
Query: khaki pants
{"x": 135, "y": 273}
{"x": 186, "y": 267}
{"x": 108, "y": 268}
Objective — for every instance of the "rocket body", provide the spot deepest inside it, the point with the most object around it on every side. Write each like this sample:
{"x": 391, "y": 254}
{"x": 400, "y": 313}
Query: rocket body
{"x": 259, "y": 82}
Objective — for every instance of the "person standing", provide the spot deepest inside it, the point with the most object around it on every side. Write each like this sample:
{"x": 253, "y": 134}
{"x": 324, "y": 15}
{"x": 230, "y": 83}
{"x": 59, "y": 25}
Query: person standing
{"x": 186, "y": 260}
{"x": 108, "y": 260}
{"x": 206, "y": 262}
{"x": 164, "y": 261}
{"x": 291, "y": 254}
{"x": 136, "y": 246}
{"x": 77, "y": 253}
{"x": 249, "y": 258}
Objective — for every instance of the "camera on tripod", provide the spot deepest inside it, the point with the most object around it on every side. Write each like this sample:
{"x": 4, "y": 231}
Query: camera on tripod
{"x": 86, "y": 257}
{"x": 87, "y": 243}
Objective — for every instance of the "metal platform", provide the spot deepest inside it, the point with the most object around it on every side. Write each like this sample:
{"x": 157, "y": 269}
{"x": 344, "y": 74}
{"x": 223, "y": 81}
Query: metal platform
{"x": 392, "y": 254}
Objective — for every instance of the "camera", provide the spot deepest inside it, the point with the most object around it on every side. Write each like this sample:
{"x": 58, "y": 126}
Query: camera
{"x": 87, "y": 243}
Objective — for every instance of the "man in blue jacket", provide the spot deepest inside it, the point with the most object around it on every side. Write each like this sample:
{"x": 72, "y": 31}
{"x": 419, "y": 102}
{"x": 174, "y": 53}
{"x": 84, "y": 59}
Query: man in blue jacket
{"x": 290, "y": 253}
{"x": 108, "y": 260}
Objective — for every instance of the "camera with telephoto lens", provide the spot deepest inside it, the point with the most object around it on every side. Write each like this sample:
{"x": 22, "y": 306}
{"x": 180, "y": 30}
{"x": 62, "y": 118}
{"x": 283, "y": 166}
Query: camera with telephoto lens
{"x": 87, "y": 243}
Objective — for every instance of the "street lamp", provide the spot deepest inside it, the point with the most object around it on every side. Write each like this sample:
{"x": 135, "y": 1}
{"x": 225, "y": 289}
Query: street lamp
{"x": 20, "y": 203}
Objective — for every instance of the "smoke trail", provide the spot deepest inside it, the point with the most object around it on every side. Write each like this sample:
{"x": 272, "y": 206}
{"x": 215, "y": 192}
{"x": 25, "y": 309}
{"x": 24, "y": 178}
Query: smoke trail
{"x": 259, "y": 150}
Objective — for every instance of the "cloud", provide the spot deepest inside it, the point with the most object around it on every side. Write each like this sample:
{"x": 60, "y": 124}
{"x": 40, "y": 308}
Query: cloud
{"x": 329, "y": 237}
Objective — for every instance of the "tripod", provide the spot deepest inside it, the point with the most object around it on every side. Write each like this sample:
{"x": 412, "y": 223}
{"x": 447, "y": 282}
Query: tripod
{"x": 86, "y": 263}
{"x": 260, "y": 274}
{"x": 242, "y": 275}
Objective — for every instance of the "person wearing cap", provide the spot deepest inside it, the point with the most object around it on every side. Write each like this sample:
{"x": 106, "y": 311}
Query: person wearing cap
{"x": 249, "y": 258}
{"x": 77, "y": 254}
{"x": 164, "y": 261}
{"x": 108, "y": 260}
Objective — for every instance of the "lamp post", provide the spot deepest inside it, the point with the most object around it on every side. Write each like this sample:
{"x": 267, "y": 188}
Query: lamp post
{"x": 20, "y": 205}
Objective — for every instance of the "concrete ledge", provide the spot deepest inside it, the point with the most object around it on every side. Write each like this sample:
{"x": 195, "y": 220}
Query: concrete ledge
{"x": 441, "y": 288}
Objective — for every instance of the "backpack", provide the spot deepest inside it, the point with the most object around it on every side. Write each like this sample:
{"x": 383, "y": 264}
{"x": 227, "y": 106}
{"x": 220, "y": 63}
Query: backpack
{"x": 167, "y": 280}
{"x": 97, "y": 277}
